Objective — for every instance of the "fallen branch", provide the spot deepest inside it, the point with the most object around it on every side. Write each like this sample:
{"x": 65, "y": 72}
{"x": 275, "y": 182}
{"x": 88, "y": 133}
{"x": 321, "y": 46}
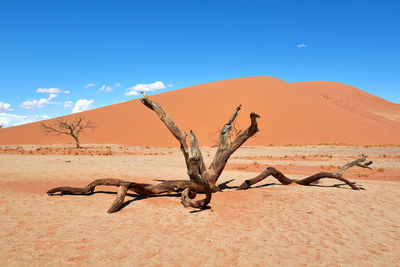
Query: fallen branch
{"x": 360, "y": 162}
{"x": 143, "y": 189}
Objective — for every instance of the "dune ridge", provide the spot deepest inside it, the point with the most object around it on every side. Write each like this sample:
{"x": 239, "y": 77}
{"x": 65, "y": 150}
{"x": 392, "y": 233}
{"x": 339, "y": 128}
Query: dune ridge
{"x": 291, "y": 113}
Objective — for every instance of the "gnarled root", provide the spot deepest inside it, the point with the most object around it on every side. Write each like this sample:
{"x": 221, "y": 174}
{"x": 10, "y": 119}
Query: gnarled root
{"x": 119, "y": 198}
{"x": 87, "y": 190}
{"x": 139, "y": 188}
{"x": 187, "y": 199}
{"x": 360, "y": 162}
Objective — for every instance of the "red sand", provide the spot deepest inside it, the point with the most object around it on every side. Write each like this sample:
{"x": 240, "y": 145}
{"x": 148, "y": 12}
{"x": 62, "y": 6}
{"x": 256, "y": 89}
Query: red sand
{"x": 268, "y": 225}
{"x": 297, "y": 113}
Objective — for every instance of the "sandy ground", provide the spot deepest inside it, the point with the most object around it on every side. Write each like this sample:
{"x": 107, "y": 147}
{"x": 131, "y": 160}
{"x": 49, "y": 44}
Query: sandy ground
{"x": 264, "y": 226}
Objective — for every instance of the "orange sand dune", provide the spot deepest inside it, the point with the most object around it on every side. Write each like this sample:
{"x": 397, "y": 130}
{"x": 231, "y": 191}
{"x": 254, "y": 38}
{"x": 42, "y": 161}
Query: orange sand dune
{"x": 291, "y": 113}
{"x": 353, "y": 98}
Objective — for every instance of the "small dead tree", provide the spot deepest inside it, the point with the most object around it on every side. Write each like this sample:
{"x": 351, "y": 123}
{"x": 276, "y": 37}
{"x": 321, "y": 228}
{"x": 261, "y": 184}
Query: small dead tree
{"x": 1, "y": 125}
{"x": 73, "y": 128}
{"x": 202, "y": 179}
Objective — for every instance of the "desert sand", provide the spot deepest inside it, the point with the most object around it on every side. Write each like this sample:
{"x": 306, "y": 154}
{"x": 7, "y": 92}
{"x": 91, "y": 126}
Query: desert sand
{"x": 291, "y": 113}
{"x": 268, "y": 225}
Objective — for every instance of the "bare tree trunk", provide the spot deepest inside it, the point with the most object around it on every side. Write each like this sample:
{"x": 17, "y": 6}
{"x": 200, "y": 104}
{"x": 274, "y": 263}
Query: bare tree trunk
{"x": 77, "y": 144}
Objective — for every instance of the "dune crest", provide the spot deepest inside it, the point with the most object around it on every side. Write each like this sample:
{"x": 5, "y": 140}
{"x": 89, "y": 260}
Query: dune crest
{"x": 291, "y": 113}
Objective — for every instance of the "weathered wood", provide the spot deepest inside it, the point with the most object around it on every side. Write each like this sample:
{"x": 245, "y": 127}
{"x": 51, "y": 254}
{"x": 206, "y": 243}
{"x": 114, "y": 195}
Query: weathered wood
{"x": 202, "y": 179}
{"x": 87, "y": 190}
{"x": 187, "y": 199}
{"x": 194, "y": 161}
{"x": 226, "y": 149}
{"x": 360, "y": 162}
{"x": 164, "y": 187}
{"x": 119, "y": 198}
{"x": 196, "y": 152}
{"x": 169, "y": 123}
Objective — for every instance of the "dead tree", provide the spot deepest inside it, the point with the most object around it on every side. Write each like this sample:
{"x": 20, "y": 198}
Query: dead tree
{"x": 73, "y": 128}
{"x": 201, "y": 178}
{"x": 360, "y": 162}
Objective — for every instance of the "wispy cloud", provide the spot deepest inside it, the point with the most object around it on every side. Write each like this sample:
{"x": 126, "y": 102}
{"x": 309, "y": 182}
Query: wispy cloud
{"x": 146, "y": 87}
{"x": 82, "y": 105}
{"x": 170, "y": 85}
{"x": 117, "y": 84}
{"x": 12, "y": 119}
{"x": 51, "y": 91}
{"x": 89, "y": 85}
{"x": 5, "y": 107}
{"x": 105, "y": 88}
{"x": 301, "y": 45}
{"x": 68, "y": 104}
{"x": 33, "y": 104}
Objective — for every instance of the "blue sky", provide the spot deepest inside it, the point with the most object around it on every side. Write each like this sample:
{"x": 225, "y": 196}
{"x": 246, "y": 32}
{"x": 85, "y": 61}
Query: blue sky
{"x": 51, "y": 50}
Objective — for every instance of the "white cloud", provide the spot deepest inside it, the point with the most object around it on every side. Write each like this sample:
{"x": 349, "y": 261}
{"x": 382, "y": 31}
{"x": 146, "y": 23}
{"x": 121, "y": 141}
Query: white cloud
{"x": 301, "y": 45}
{"x": 131, "y": 93}
{"x": 89, "y": 85}
{"x": 68, "y": 104}
{"x": 32, "y": 104}
{"x": 5, "y": 107}
{"x": 12, "y": 120}
{"x": 51, "y": 91}
{"x": 145, "y": 87}
{"x": 105, "y": 88}
{"x": 117, "y": 84}
{"x": 82, "y": 105}
{"x": 170, "y": 85}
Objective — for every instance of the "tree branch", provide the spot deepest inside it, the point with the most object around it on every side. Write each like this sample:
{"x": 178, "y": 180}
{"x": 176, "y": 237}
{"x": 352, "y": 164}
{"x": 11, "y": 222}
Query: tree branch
{"x": 311, "y": 179}
{"x": 119, "y": 198}
{"x": 224, "y": 135}
{"x": 143, "y": 189}
{"x": 196, "y": 152}
{"x": 49, "y": 129}
{"x": 225, "y": 150}
{"x": 194, "y": 162}
{"x": 169, "y": 122}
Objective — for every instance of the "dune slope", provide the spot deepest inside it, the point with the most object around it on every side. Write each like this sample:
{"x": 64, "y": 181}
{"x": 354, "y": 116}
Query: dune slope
{"x": 291, "y": 113}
